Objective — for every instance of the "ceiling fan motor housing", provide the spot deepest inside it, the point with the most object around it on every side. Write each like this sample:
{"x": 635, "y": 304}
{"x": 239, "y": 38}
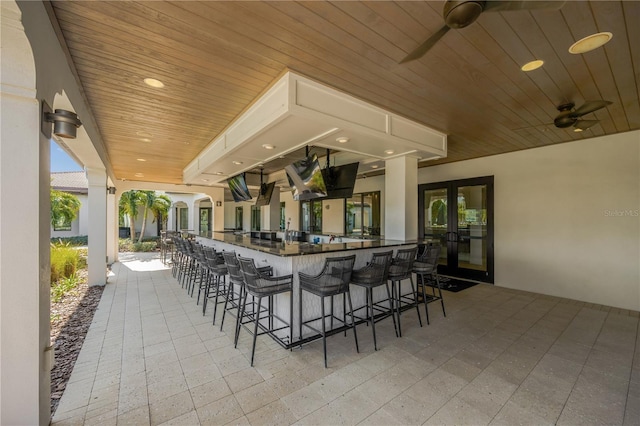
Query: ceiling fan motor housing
{"x": 459, "y": 14}
{"x": 565, "y": 118}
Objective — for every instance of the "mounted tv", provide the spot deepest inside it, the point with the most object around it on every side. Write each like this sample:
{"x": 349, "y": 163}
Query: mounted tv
{"x": 238, "y": 188}
{"x": 264, "y": 197}
{"x": 340, "y": 180}
{"x": 305, "y": 177}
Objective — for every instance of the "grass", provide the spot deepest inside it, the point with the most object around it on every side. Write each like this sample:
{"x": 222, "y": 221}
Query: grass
{"x": 65, "y": 260}
{"x": 63, "y": 287}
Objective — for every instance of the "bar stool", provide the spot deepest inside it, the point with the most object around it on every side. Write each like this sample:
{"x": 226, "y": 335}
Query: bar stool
{"x": 400, "y": 270}
{"x": 331, "y": 281}
{"x": 260, "y": 286}
{"x": 426, "y": 269}
{"x": 371, "y": 276}
{"x": 217, "y": 275}
{"x": 233, "y": 299}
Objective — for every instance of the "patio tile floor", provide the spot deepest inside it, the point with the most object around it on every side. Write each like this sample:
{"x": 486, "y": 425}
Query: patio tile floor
{"x": 501, "y": 356}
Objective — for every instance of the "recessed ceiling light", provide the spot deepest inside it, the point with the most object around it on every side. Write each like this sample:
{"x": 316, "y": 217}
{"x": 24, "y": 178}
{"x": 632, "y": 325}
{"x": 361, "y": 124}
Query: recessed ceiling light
{"x": 533, "y": 65}
{"x": 577, "y": 129}
{"x": 154, "y": 83}
{"x": 144, "y": 134}
{"x": 139, "y": 175}
{"x": 237, "y": 163}
{"x": 145, "y": 140}
{"x": 268, "y": 146}
{"x": 218, "y": 173}
{"x": 591, "y": 42}
{"x": 389, "y": 151}
{"x": 205, "y": 180}
{"x": 342, "y": 139}
{"x": 375, "y": 166}
{"x": 281, "y": 157}
{"x": 141, "y": 159}
{"x": 186, "y": 143}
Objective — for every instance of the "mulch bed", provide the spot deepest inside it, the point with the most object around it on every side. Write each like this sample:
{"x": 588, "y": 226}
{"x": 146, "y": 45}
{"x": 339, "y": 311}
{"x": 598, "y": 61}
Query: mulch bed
{"x": 70, "y": 321}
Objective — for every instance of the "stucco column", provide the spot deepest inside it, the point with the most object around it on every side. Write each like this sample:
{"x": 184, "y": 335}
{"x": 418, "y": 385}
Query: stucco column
{"x": 272, "y": 222}
{"x": 97, "y": 257}
{"x": 217, "y": 196}
{"x": 401, "y": 199}
{"x": 112, "y": 227}
{"x": 24, "y": 234}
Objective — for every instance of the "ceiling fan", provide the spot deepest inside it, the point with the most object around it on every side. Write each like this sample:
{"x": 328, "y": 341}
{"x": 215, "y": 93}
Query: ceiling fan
{"x": 459, "y": 14}
{"x": 569, "y": 116}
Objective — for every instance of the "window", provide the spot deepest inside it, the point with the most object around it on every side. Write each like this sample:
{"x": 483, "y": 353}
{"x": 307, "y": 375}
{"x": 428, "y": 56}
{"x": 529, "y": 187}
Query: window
{"x": 362, "y": 214}
{"x": 182, "y": 218}
{"x": 311, "y": 219}
{"x": 255, "y": 218}
{"x": 62, "y": 224}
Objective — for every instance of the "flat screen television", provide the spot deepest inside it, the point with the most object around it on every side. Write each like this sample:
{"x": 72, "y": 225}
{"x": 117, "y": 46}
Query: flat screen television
{"x": 264, "y": 197}
{"x": 305, "y": 177}
{"x": 340, "y": 180}
{"x": 238, "y": 188}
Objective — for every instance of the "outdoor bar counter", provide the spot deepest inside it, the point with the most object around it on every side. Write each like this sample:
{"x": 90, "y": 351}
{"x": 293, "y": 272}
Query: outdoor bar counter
{"x": 290, "y": 258}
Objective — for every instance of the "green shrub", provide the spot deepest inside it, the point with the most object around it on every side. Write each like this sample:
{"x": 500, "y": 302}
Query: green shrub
{"x": 81, "y": 240}
{"x": 62, "y": 287}
{"x": 147, "y": 244}
{"x": 64, "y": 261}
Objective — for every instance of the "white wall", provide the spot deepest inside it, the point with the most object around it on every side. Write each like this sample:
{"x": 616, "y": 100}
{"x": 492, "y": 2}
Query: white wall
{"x": 333, "y": 216}
{"x": 566, "y": 217}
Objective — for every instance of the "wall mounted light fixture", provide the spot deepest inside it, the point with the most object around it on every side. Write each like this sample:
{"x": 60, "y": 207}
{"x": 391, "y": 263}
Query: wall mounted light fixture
{"x": 65, "y": 123}
{"x": 111, "y": 190}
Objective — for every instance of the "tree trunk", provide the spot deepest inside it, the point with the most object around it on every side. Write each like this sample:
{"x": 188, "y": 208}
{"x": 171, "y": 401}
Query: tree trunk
{"x": 132, "y": 228}
{"x": 144, "y": 223}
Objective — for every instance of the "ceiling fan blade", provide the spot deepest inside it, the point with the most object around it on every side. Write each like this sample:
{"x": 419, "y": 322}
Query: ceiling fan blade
{"x": 590, "y": 106}
{"x": 585, "y": 124}
{"x": 424, "y": 47}
{"x": 505, "y": 6}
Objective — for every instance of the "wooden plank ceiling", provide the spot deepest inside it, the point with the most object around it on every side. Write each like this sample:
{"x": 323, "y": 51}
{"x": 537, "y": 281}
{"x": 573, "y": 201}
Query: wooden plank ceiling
{"x": 216, "y": 57}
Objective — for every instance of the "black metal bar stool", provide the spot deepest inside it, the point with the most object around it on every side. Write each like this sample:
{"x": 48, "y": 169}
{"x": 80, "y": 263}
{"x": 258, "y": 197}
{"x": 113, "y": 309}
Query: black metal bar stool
{"x": 217, "y": 274}
{"x": 426, "y": 269}
{"x": 331, "y": 281}
{"x": 400, "y": 270}
{"x": 236, "y": 283}
{"x": 371, "y": 276}
{"x": 260, "y": 286}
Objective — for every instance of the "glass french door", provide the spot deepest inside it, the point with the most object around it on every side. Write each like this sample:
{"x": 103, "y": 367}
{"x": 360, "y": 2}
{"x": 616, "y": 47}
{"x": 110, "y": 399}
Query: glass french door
{"x": 205, "y": 221}
{"x": 459, "y": 215}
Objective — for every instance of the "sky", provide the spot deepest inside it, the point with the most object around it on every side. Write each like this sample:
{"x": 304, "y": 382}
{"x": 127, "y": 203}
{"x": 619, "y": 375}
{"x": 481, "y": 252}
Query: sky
{"x": 60, "y": 160}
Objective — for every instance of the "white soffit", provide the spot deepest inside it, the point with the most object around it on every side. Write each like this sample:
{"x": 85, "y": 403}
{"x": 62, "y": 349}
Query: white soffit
{"x": 296, "y": 112}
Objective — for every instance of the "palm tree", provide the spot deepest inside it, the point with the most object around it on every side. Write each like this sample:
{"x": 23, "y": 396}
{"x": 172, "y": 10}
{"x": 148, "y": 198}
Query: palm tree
{"x": 158, "y": 204}
{"x": 160, "y": 209}
{"x": 64, "y": 207}
{"x": 129, "y": 202}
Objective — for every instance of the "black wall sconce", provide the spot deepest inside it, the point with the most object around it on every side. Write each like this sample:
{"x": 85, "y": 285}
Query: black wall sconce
{"x": 218, "y": 203}
{"x": 65, "y": 123}
{"x": 111, "y": 190}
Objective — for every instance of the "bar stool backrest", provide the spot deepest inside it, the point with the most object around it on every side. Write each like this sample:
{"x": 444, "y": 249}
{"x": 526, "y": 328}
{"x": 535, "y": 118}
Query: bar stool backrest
{"x": 250, "y": 272}
{"x": 431, "y": 256}
{"x": 403, "y": 263}
{"x": 336, "y": 273}
{"x": 233, "y": 267}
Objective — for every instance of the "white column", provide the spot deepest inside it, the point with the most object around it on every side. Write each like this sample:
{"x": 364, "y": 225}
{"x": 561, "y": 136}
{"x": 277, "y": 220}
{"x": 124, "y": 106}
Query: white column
{"x": 401, "y": 199}
{"x": 272, "y": 222}
{"x": 217, "y": 196}
{"x": 113, "y": 229}
{"x": 97, "y": 256}
{"x": 24, "y": 234}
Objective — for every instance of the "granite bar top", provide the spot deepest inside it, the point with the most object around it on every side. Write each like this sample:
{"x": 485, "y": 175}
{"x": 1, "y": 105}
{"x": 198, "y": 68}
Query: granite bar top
{"x": 295, "y": 248}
